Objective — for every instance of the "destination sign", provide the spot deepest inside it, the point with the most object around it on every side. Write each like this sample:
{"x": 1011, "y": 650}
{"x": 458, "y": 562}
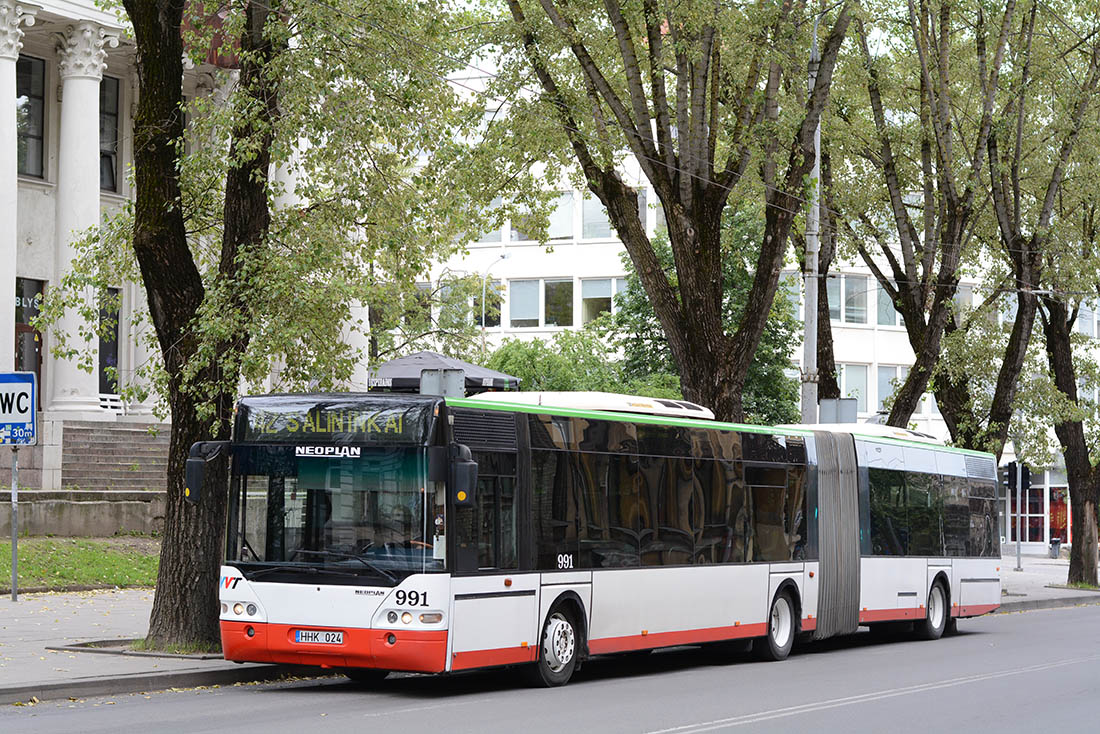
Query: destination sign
{"x": 373, "y": 420}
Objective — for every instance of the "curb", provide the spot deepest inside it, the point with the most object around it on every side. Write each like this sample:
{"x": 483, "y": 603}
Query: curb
{"x": 142, "y": 682}
{"x": 1056, "y": 603}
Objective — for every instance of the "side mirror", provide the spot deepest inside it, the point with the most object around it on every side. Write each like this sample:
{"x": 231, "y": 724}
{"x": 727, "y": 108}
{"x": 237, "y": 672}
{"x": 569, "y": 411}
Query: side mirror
{"x": 195, "y": 467}
{"x": 465, "y": 483}
{"x": 195, "y": 470}
{"x": 463, "y": 476}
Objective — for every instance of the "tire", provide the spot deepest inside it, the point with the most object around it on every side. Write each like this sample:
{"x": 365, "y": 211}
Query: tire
{"x": 782, "y": 626}
{"x": 365, "y": 676}
{"x": 559, "y": 647}
{"x": 936, "y": 614}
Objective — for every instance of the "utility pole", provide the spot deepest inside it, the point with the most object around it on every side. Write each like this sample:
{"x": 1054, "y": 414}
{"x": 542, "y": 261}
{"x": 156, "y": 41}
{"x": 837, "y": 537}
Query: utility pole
{"x": 809, "y": 338}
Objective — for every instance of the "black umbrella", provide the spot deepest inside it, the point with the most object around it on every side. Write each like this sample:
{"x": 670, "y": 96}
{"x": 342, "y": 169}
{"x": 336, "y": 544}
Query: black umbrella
{"x": 403, "y": 374}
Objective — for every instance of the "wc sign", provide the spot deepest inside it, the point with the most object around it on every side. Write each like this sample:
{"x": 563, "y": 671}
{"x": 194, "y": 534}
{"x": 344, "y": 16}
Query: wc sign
{"x": 18, "y": 398}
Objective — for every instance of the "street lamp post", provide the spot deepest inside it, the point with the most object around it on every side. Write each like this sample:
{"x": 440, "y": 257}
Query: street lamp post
{"x": 484, "y": 278}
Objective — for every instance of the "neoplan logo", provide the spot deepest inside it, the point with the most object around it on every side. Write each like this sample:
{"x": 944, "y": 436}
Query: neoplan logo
{"x": 342, "y": 452}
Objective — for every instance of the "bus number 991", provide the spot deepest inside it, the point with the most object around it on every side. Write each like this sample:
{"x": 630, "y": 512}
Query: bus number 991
{"x": 412, "y": 598}
{"x": 565, "y": 560}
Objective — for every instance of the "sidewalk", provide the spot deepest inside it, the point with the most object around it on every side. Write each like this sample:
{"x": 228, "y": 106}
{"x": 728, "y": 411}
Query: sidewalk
{"x": 37, "y": 634}
{"x": 1030, "y": 588}
{"x": 33, "y": 629}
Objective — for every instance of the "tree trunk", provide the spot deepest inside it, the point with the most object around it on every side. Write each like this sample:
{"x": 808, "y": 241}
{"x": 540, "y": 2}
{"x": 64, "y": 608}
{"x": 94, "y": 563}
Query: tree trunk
{"x": 185, "y": 606}
{"x": 1083, "y": 477}
{"x": 185, "y": 609}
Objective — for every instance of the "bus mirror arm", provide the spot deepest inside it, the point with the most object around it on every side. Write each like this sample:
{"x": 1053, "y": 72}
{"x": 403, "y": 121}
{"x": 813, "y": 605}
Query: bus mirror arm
{"x": 437, "y": 463}
{"x": 195, "y": 468}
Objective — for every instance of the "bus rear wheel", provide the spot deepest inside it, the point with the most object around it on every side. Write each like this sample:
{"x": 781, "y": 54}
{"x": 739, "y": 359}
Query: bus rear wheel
{"x": 558, "y": 649}
{"x": 935, "y": 618}
{"x": 776, "y": 645}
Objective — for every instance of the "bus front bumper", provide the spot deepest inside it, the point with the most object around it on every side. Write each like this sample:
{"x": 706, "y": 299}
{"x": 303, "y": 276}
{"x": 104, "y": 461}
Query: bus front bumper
{"x": 419, "y": 651}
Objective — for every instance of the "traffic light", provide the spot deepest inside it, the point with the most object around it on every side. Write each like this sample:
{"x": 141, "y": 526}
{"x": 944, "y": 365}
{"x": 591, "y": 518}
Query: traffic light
{"x": 1008, "y": 476}
{"x": 1025, "y": 478}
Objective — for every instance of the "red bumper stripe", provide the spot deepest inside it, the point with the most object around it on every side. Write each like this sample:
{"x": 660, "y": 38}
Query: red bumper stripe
{"x": 668, "y": 639}
{"x": 489, "y": 658}
{"x": 412, "y": 650}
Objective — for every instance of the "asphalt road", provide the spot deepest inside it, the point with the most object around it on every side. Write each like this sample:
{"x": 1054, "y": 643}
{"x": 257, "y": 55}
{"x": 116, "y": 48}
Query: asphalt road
{"x": 1026, "y": 672}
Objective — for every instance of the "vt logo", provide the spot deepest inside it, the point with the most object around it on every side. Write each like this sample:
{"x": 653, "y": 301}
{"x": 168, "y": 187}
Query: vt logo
{"x": 230, "y": 582}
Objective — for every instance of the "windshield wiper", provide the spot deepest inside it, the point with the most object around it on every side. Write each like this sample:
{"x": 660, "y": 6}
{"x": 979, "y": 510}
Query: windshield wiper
{"x": 272, "y": 569}
{"x": 351, "y": 557}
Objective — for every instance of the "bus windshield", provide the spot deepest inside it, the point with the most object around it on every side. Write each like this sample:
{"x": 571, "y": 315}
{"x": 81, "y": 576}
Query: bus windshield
{"x": 358, "y": 514}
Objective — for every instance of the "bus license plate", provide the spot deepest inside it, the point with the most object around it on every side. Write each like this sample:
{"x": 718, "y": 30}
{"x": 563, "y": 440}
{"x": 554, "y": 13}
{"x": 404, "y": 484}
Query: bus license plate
{"x": 322, "y": 637}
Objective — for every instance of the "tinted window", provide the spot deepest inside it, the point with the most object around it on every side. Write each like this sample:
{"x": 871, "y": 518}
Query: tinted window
{"x": 956, "y": 516}
{"x": 627, "y": 513}
{"x": 761, "y": 447}
{"x": 554, "y": 522}
{"x": 924, "y": 507}
{"x": 985, "y": 540}
{"x": 889, "y": 528}
{"x": 669, "y": 486}
{"x": 768, "y": 493}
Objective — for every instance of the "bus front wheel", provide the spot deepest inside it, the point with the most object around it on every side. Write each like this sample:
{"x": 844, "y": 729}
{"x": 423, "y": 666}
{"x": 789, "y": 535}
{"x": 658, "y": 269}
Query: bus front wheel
{"x": 936, "y": 613}
{"x": 776, "y": 645}
{"x": 558, "y": 649}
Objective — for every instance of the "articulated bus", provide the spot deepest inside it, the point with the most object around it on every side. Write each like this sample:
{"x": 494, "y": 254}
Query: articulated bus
{"x": 372, "y": 533}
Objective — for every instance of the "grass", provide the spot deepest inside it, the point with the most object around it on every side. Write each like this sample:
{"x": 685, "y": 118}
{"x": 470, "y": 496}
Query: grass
{"x": 193, "y": 648}
{"x": 1083, "y": 586}
{"x": 60, "y": 563}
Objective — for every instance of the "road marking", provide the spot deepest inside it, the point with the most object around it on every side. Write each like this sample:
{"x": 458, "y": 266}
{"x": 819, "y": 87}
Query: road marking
{"x": 760, "y": 716}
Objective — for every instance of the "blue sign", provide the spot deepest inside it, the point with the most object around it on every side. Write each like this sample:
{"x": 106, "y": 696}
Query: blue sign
{"x": 18, "y": 409}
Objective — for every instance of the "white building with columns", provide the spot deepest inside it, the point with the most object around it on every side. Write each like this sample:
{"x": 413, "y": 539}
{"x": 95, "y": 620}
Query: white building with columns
{"x": 67, "y": 91}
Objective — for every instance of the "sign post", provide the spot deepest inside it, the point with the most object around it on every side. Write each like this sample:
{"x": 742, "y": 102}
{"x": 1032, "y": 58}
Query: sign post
{"x": 18, "y": 427}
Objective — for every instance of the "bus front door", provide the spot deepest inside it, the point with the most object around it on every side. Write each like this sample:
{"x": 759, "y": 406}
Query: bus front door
{"x": 493, "y": 617}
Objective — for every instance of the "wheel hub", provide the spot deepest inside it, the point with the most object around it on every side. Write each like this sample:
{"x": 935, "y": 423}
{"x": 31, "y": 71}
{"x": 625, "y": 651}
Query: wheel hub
{"x": 559, "y": 643}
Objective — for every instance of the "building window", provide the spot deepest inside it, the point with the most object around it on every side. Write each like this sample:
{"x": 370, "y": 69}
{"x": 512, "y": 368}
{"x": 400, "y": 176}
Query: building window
{"x": 533, "y": 303}
{"x": 523, "y": 303}
{"x": 855, "y": 299}
{"x": 790, "y": 287}
{"x": 108, "y": 134}
{"x": 1086, "y": 322}
{"x": 1032, "y": 517}
{"x": 599, "y": 296}
{"x": 559, "y": 302}
{"x": 108, "y": 343}
{"x": 853, "y": 384}
{"x": 30, "y": 113}
{"x": 492, "y": 235}
{"x": 890, "y": 378}
{"x": 560, "y": 222}
{"x": 492, "y": 306}
{"x": 594, "y": 221}
{"x": 886, "y": 313}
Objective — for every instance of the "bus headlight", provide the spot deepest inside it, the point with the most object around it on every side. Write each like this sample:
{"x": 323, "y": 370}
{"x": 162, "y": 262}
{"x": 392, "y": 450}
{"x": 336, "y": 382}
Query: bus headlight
{"x": 431, "y": 618}
{"x": 406, "y": 618}
{"x": 251, "y": 609}
{"x": 392, "y": 617}
{"x": 238, "y": 608}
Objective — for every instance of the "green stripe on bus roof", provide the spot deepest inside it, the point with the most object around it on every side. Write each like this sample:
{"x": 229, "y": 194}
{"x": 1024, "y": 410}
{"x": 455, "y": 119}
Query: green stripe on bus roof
{"x": 663, "y": 420}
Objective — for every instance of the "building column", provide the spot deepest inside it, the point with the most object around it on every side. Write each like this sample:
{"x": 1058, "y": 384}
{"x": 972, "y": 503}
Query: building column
{"x": 12, "y": 17}
{"x": 82, "y": 53}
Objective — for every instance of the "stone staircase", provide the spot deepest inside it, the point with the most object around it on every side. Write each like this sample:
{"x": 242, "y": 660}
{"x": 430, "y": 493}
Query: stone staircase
{"x": 119, "y": 456}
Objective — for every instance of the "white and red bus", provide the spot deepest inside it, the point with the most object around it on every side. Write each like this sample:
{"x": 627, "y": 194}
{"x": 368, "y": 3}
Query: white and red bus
{"x": 383, "y": 532}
